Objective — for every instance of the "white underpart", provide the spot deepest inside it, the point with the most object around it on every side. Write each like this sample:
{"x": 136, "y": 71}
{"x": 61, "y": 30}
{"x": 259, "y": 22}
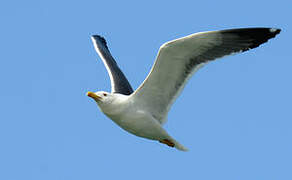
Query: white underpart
{"x": 132, "y": 117}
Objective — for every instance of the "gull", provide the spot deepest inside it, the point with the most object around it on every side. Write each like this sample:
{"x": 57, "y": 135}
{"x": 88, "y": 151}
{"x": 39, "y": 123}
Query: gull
{"x": 144, "y": 111}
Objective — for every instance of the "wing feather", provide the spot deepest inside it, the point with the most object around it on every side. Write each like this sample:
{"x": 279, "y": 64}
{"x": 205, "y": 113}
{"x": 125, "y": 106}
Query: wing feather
{"x": 119, "y": 82}
{"x": 177, "y": 60}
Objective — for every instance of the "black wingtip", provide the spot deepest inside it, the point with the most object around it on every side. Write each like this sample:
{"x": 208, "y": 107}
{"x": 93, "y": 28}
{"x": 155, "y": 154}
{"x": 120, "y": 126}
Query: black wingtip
{"x": 254, "y": 36}
{"x": 100, "y": 39}
{"x": 262, "y": 35}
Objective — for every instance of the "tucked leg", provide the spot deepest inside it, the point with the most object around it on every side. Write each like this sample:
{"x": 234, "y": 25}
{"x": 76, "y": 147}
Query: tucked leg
{"x": 167, "y": 142}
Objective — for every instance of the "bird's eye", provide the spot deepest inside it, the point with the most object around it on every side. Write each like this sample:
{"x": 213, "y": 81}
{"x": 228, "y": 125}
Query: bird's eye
{"x": 104, "y": 94}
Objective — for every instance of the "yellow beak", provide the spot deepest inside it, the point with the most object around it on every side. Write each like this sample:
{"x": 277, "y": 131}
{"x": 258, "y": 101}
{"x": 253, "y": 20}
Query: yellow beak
{"x": 93, "y": 95}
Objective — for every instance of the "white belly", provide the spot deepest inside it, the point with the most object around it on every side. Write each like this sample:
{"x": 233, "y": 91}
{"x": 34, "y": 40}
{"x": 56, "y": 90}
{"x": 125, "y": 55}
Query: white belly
{"x": 140, "y": 124}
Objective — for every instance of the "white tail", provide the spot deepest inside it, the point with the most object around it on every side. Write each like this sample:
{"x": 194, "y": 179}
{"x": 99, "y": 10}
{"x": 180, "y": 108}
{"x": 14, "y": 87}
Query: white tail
{"x": 178, "y": 146}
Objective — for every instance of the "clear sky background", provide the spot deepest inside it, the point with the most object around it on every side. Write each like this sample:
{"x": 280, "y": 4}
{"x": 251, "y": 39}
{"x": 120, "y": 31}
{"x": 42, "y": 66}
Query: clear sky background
{"x": 234, "y": 114}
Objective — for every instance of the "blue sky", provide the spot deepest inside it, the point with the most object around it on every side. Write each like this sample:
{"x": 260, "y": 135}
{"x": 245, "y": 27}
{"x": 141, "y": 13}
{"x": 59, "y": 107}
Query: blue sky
{"x": 234, "y": 114}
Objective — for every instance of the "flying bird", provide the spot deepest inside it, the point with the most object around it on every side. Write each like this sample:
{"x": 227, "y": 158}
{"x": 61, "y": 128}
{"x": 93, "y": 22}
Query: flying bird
{"x": 144, "y": 111}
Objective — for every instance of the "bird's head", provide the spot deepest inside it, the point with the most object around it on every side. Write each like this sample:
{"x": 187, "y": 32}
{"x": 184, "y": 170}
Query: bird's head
{"x": 109, "y": 103}
{"x": 101, "y": 97}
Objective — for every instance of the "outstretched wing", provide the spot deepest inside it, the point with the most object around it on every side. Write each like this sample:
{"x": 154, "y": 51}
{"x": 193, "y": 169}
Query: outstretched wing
{"x": 177, "y": 60}
{"x": 119, "y": 82}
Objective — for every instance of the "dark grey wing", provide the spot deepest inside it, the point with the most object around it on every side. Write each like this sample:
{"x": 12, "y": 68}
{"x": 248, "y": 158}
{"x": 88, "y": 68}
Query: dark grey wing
{"x": 119, "y": 82}
{"x": 177, "y": 60}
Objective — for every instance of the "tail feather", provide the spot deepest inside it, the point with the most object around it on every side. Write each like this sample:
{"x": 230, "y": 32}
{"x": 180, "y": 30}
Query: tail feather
{"x": 173, "y": 143}
{"x": 178, "y": 146}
